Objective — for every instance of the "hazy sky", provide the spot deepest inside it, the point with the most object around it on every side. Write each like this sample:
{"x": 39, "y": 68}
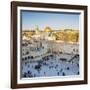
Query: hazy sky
{"x": 30, "y": 20}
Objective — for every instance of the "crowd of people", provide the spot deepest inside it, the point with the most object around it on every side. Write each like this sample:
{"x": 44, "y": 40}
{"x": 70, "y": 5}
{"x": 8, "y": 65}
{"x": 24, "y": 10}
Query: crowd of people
{"x": 50, "y": 66}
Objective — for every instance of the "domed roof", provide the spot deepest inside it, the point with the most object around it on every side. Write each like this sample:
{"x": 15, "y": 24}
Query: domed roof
{"x": 48, "y": 29}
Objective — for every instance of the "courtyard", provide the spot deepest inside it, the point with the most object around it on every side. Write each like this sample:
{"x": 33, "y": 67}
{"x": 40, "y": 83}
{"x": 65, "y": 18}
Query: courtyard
{"x": 52, "y": 65}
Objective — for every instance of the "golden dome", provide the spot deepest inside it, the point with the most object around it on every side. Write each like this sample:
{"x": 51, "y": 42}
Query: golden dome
{"x": 47, "y": 29}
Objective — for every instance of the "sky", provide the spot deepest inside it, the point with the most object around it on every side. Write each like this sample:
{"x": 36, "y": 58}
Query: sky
{"x": 56, "y": 21}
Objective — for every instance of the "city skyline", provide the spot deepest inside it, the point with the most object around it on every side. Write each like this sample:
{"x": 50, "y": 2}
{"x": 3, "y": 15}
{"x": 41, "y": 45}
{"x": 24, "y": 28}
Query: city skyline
{"x": 57, "y": 21}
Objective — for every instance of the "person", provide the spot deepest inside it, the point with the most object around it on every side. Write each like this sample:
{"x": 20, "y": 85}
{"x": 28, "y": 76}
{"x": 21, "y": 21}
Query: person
{"x": 58, "y": 73}
{"x": 68, "y": 68}
{"x": 25, "y": 74}
{"x": 63, "y": 74}
{"x": 44, "y": 73}
{"x": 78, "y": 73}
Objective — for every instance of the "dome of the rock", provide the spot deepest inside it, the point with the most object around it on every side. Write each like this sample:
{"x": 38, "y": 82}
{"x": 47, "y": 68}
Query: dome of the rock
{"x": 48, "y": 29}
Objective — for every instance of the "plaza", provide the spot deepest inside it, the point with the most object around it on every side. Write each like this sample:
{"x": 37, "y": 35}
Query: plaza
{"x": 44, "y": 56}
{"x": 51, "y": 66}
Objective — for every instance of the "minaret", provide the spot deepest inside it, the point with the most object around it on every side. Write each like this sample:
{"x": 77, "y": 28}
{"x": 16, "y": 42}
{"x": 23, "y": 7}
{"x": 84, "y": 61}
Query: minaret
{"x": 37, "y": 30}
